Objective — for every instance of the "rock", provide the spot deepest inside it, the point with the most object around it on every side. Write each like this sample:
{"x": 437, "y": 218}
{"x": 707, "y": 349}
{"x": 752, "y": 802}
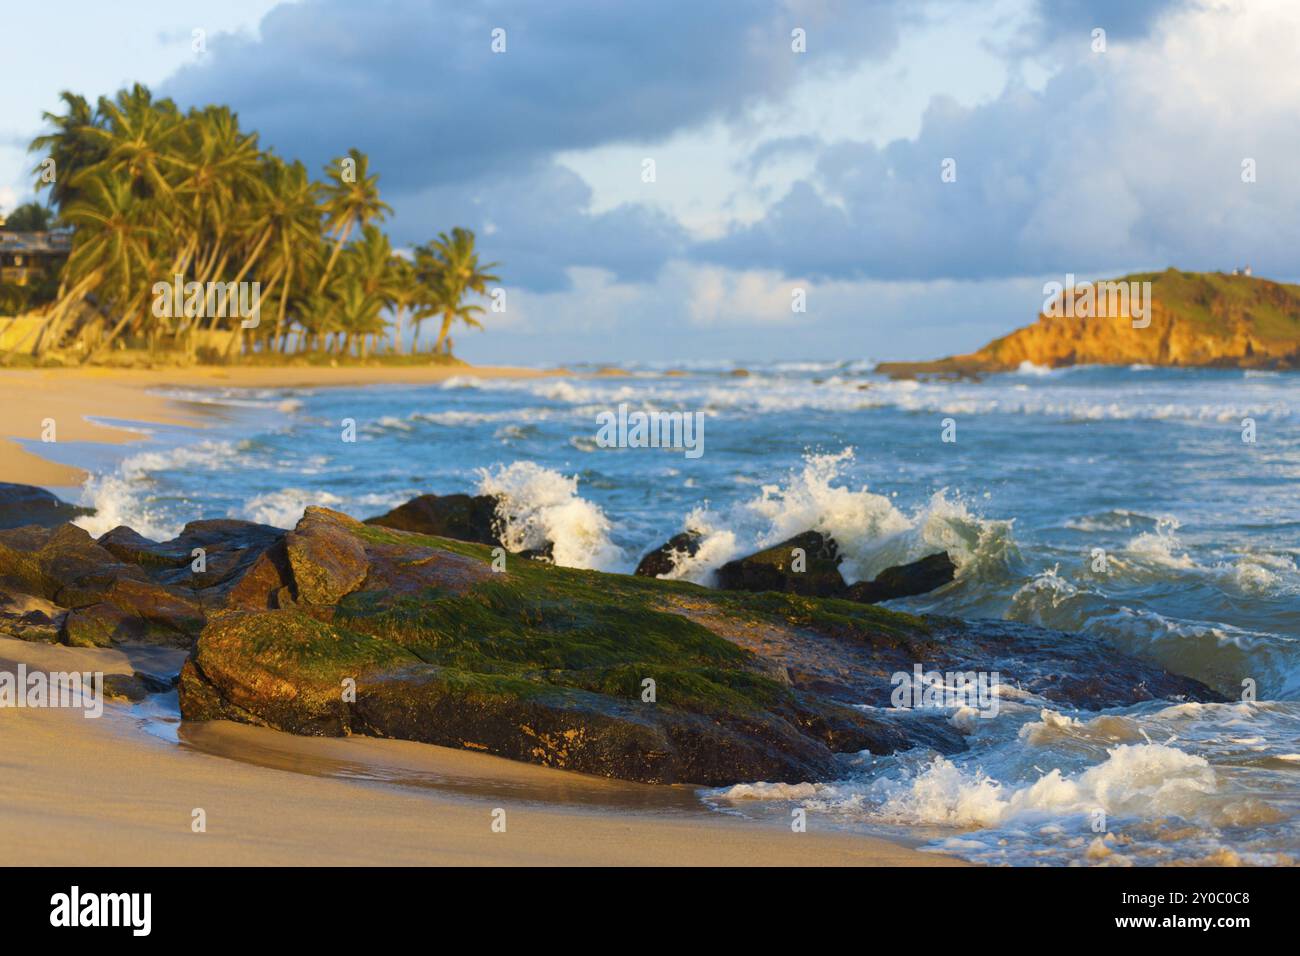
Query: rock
{"x": 328, "y": 561}
{"x": 460, "y": 517}
{"x": 850, "y": 652}
{"x": 227, "y": 548}
{"x": 133, "y": 548}
{"x": 774, "y": 568}
{"x": 919, "y": 577}
{"x": 663, "y": 559}
{"x": 102, "y": 625}
{"x": 135, "y": 687}
{"x": 125, "y": 687}
{"x": 264, "y": 583}
{"x": 551, "y": 665}
{"x": 50, "y": 561}
{"x": 28, "y": 505}
{"x": 29, "y": 618}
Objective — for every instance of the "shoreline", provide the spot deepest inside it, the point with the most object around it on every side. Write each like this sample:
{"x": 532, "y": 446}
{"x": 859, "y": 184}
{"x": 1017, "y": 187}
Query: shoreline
{"x": 105, "y": 791}
{"x": 30, "y": 397}
{"x": 124, "y": 795}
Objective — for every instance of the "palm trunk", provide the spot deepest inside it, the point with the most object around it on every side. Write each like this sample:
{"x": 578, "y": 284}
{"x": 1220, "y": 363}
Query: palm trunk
{"x": 442, "y": 332}
{"x": 338, "y": 247}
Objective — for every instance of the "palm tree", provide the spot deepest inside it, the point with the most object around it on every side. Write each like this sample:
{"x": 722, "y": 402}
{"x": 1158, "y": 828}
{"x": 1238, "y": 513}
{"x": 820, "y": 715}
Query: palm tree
{"x": 448, "y": 269}
{"x": 349, "y": 202}
{"x": 152, "y": 193}
{"x": 142, "y": 139}
{"x": 403, "y": 292}
{"x": 111, "y": 253}
{"x": 70, "y": 145}
{"x": 293, "y": 215}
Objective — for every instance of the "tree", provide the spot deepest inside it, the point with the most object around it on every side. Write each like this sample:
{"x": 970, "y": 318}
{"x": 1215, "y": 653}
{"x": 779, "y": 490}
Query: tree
{"x": 70, "y": 145}
{"x": 448, "y": 269}
{"x": 152, "y": 193}
{"x": 351, "y": 199}
{"x": 29, "y": 217}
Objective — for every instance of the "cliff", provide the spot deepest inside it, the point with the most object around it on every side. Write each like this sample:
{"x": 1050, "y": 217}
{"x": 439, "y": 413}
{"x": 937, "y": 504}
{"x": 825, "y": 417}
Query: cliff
{"x": 1206, "y": 319}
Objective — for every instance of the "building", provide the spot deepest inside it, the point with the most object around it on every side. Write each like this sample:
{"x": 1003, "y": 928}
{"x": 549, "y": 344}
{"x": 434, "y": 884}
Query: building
{"x": 24, "y": 255}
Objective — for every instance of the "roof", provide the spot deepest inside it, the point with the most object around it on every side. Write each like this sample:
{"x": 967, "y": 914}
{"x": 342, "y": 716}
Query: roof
{"x": 36, "y": 243}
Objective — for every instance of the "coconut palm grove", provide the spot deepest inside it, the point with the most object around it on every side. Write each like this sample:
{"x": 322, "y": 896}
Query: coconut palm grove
{"x": 150, "y": 198}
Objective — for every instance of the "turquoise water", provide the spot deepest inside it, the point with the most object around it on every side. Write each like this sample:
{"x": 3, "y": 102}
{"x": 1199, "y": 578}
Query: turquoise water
{"x": 1119, "y": 502}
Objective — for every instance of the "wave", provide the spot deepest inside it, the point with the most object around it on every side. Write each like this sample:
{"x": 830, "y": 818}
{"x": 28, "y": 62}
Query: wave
{"x": 540, "y": 506}
{"x": 119, "y": 498}
{"x": 1030, "y": 391}
{"x": 871, "y": 531}
{"x": 1218, "y": 654}
{"x": 282, "y": 509}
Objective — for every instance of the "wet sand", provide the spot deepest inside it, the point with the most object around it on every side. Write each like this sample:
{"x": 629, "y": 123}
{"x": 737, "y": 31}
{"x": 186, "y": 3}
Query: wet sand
{"x": 29, "y": 397}
{"x": 117, "y": 791}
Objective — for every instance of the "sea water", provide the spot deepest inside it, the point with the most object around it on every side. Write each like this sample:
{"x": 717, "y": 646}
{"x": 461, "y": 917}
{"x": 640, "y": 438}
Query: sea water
{"x": 1119, "y": 502}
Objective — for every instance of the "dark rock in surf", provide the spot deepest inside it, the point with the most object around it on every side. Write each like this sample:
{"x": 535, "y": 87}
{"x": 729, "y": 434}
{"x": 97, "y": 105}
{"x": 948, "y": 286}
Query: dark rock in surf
{"x": 663, "y": 559}
{"x": 807, "y": 564}
{"x": 460, "y": 517}
{"x": 906, "y": 580}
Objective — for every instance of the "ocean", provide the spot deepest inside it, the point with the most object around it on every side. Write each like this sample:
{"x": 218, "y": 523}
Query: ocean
{"x": 1156, "y": 510}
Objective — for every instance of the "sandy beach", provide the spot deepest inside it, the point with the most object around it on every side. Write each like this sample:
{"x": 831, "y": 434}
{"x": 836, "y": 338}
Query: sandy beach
{"x": 105, "y": 791}
{"x": 28, "y": 397}
{"x": 108, "y": 791}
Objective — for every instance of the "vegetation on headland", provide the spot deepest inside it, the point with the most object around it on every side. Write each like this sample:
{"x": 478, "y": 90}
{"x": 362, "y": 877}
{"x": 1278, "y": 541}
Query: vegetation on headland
{"x": 1201, "y": 319}
{"x": 151, "y": 193}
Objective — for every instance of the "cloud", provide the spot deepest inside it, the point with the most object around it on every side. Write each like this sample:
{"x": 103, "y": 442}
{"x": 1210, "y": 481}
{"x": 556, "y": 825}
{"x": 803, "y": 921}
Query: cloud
{"x": 1128, "y": 159}
{"x": 417, "y": 85}
{"x": 538, "y": 224}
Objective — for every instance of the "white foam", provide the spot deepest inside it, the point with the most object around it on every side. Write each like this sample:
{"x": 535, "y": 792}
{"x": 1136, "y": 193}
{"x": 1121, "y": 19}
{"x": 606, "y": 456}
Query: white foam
{"x": 540, "y": 505}
{"x": 1135, "y": 780}
{"x": 871, "y": 532}
{"x": 282, "y": 509}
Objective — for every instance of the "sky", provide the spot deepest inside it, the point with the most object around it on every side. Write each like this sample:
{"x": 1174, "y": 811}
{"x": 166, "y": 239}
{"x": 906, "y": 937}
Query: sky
{"x": 668, "y": 181}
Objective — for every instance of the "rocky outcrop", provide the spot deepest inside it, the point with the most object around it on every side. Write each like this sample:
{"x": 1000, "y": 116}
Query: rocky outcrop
{"x": 1196, "y": 319}
{"x": 808, "y": 563}
{"x": 124, "y": 588}
{"x": 608, "y": 674}
{"x": 28, "y": 505}
{"x": 340, "y": 627}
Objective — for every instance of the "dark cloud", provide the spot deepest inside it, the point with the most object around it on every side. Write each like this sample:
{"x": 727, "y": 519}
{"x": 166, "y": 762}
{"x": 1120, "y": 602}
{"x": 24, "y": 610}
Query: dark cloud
{"x": 416, "y": 84}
